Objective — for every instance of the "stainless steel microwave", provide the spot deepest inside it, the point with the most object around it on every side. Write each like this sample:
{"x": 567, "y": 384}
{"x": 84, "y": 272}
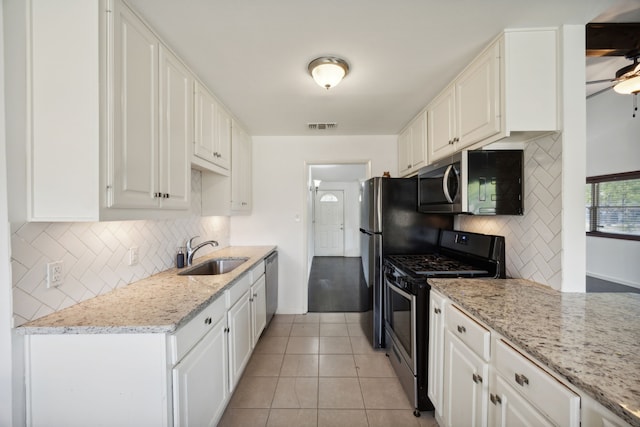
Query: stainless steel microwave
{"x": 480, "y": 182}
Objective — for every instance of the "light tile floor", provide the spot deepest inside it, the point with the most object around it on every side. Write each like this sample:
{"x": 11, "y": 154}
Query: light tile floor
{"x": 319, "y": 370}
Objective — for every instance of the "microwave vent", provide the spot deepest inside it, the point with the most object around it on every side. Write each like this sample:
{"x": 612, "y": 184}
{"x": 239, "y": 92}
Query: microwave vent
{"x": 322, "y": 126}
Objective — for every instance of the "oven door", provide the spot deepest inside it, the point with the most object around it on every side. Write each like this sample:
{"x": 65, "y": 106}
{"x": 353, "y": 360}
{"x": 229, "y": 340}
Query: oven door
{"x": 401, "y": 321}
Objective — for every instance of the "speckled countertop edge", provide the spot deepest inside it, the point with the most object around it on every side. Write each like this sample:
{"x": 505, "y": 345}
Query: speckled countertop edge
{"x": 590, "y": 339}
{"x": 157, "y": 304}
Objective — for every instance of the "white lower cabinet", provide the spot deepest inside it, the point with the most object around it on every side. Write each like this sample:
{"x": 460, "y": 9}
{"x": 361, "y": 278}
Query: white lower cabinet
{"x": 510, "y": 409}
{"x": 465, "y": 385}
{"x": 556, "y": 401}
{"x": 258, "y": 303}
{"x": 239, "y": 324}
{"x": 478, "y": 378}
{"x": 436, "y": 350}
{"x": 201, "y": 381}
{"x": 148, "y": 379}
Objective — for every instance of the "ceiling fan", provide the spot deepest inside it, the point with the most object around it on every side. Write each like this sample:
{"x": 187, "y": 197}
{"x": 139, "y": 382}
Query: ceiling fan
{"x": 627, "y": 80}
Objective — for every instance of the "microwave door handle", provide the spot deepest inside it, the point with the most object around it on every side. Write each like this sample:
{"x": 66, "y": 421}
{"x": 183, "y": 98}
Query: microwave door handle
{"x": 445, "y": 188}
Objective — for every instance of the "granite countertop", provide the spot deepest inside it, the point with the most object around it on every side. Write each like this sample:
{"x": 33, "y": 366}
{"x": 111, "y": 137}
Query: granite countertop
{"x": 157, "y": 304}
{"x": 591, "y": 339}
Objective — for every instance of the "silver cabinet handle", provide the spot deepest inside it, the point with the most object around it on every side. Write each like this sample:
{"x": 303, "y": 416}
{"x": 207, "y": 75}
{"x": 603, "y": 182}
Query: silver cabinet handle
{"x": 462, "y": 329}
{"x": 495, "y": 399}
{"x": 521, "y": 379}
{"x": 477, "y": 378}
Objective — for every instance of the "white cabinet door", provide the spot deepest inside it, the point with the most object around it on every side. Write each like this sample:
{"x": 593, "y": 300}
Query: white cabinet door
{"x": 442, "y": 126}
{"x": 241, "y": 163}
{"x": 436, "y": 350}
{"x": 419, "y": 141}
{"x": 134, "y": 160}
{"x": 176, "y": 128}
{"x": 223, "y": 138}
{"x": 212, "y": 140}
{"x": 478, "y": 99}
{"x": 200, "y": 381}
{"x": 510, "y": 409}
{"x": 258, "y": 309}
{"x": 404, "y": 152}
{"x": 239, "y": 323}
{"x": 466, "y": 390}
{"x": 205, "y": 124}
{"x": 412, "y": 146}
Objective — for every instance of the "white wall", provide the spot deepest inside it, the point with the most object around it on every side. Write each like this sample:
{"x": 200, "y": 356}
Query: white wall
{"x": 280, "y": 191}
{"x": 613, "y": 145}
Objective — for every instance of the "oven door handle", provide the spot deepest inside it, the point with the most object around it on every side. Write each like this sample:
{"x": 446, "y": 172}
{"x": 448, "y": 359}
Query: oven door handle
{"x": 396, "y": 289}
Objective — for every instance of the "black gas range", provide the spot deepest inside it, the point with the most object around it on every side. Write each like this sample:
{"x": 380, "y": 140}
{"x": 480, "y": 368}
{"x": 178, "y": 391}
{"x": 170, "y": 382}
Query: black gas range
{"x": 406, "y": 278}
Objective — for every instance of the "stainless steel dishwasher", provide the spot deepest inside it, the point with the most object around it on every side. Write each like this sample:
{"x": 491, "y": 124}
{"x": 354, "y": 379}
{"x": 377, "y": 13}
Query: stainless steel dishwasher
{"x": 271, "y": 267}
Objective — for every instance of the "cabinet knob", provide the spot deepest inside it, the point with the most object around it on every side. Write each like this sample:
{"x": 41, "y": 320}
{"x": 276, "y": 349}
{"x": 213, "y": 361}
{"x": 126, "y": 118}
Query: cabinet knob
{"x": 255, "y": 295}
{"x": 408, "y": 166}
{"x": 462, "y": 329}
{"x": 476, "y": 378}
{"x": 437, "y": 310}
{"x": 207, "y": 321}
{"x": 226, "y": 329}
{"x": 456, "y": 139}
{"x": 250, "y": 299}
{"x": 521, "y": 379}
{"x": 495, "y": 399}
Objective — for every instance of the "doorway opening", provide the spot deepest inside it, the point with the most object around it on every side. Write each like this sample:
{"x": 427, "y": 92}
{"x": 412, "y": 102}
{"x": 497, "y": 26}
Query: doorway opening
{"x": 335, "y": 282}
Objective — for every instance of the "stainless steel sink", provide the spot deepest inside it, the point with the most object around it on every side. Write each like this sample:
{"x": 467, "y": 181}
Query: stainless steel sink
{"x": 214, "y": 266}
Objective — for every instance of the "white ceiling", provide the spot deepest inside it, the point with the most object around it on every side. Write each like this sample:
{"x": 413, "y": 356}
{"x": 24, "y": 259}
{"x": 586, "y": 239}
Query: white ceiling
{"x": 254, "y": 54}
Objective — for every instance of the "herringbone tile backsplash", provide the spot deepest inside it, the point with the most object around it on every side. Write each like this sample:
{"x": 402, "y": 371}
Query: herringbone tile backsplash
{"x": 533, "y": 241}
{"x": 95, "y": 255}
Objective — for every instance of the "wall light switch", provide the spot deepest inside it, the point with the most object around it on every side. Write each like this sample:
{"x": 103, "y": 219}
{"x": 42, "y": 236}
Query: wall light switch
{"x": 133, "y": 256}
{"x": 54, "y": 274}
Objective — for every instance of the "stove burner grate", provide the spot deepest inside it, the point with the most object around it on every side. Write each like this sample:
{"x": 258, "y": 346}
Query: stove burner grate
{"x": 432, "y": 264}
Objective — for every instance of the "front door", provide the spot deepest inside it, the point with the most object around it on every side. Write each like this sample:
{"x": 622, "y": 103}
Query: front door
{"x": 329, "y": 223}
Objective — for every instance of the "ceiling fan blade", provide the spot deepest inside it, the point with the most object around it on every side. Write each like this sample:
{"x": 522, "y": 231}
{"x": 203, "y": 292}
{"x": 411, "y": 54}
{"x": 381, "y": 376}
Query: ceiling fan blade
{"x": 601, "y": 81}
{"x": 600, "y": 91}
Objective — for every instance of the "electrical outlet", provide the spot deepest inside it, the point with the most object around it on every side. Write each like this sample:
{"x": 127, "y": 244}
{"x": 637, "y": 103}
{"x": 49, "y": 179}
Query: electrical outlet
{"x": 133, "y": 256}
{"x": 54, "y": 274}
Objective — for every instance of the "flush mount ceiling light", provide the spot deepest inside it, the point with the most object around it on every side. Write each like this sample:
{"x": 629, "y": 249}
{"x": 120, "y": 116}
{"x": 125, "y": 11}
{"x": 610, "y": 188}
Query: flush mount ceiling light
{"x": 328, "y": 71}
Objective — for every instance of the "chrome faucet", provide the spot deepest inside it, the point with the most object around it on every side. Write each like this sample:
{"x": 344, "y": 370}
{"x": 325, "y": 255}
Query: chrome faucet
{"x": 191, "y": 250}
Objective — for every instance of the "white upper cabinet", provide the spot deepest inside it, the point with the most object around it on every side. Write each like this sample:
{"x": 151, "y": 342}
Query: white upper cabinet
{"x": 412, "y": 146}
{"x": 442, "y": 125}
{"x": 134, "y": 149}
{"x": 111, "y": 113}
{"x": 176, "y": 130}
{"x": 108, "y": 131}
{"x": 508, "y": 91}
{"x": 152, "y": 120}
{"x": 478, "y": 99}
{"x": 468, "y": 110}
{"x": 212, "y": 143}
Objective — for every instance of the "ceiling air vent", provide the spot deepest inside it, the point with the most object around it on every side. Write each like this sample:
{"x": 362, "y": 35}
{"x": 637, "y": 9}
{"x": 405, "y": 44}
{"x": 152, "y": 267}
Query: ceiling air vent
{"x": 322, "y": 126}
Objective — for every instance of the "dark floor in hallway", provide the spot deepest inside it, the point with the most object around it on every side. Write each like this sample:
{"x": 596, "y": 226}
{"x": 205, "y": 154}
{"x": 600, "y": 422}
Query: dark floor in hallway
{"x": 337, "y": 284}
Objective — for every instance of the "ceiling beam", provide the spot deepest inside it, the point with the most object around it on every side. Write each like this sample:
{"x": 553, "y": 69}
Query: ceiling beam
{"x": 612, "y": 39}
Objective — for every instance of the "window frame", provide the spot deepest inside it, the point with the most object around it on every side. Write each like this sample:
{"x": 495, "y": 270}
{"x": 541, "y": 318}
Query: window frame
{"x": 593, "y": 219}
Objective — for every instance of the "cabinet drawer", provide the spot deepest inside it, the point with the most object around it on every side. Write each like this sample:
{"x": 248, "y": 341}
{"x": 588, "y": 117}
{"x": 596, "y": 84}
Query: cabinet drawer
{"x": 550, "y": 396}
{"x": 474, "y": 335}
{"x": 257, "y": 271}
{"x": 188, "y": 335}
{"x": 238, "y": 289}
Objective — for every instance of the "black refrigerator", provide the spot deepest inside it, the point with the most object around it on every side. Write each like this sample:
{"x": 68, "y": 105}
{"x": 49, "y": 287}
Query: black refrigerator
{"x": 390, "y": 224}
